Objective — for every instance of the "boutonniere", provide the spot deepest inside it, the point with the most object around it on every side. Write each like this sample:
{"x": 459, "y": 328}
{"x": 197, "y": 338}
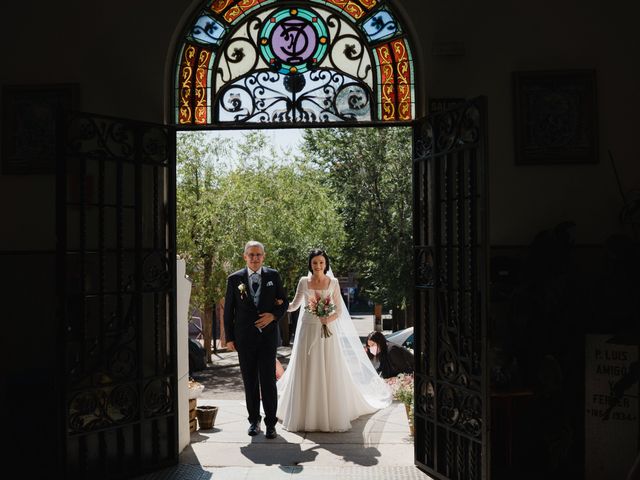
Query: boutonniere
{"x": 269, "y": 283}
{"x": 243, "y": 290}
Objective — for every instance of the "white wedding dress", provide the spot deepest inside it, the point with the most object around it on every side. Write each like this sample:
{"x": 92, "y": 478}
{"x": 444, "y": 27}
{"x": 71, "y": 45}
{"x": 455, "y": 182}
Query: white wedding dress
{"x": 329, "y": 381}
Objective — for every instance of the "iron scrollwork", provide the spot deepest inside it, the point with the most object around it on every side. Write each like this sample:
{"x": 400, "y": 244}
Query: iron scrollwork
{"x": 157, "y": 398}
{"x": 423, "y": 139}
{"x": 460, "y": 409}
{"x": 311, "y": 67}
{"x": 100, "y": 408}
{"x": 426, "y": 397}
{"x": 424, "y": 267}
{"x": 155, "y": 272}
{"x": 319, "y": 96}
{"x": 457, "y": 128}
{"x": 154, "y": 145}
{"x": 102, "y": 137}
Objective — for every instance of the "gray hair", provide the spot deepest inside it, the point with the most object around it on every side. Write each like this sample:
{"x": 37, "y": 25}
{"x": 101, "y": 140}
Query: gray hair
{"x": 251, "y": 244}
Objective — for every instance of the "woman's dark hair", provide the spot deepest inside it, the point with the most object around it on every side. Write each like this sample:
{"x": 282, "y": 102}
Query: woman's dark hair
{"x": 379, "y": 340}
{"x": 315, "y": 253}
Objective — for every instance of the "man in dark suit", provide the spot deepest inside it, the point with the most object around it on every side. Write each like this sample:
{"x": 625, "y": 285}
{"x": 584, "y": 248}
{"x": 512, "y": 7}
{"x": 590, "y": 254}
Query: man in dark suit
{"x": 254, "y": 302}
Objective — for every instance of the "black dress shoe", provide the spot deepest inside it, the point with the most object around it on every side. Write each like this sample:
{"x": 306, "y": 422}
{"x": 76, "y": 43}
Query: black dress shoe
{"x": 271, "y": 433}
{"x": 254, "y": 429}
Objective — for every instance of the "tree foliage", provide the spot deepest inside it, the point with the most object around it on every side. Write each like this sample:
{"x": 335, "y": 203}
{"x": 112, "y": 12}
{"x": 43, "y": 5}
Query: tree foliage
{"x": 222, "y": 204}
{"x": 369, "y": 171}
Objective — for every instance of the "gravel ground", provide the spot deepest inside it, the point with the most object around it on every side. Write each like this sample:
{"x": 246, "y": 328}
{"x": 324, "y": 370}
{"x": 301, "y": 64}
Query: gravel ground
{"x": 221, "y": 378}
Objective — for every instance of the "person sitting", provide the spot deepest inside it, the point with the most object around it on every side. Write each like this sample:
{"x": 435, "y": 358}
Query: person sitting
{"x": 388, "y": 358}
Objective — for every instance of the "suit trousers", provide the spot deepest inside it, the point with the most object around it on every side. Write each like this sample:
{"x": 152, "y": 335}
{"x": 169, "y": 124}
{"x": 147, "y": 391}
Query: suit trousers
{"x": 258, "y": 366}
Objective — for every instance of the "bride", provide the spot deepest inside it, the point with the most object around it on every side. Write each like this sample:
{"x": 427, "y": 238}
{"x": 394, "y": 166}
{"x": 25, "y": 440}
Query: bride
{"x": 330, "y": 380}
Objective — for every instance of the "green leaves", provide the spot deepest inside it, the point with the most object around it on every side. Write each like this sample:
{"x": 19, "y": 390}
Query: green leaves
{"x": 369, "y": 171}
{"x": 222, "y": 205}
{"x": 350, "y": 194}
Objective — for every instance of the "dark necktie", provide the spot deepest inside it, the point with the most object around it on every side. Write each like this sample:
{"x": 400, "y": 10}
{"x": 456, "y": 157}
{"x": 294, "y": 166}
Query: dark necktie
{"x": 255, "y": 285}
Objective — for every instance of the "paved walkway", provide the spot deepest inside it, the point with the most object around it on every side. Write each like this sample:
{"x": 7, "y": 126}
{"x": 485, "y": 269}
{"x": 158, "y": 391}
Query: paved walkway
{"x": 379, "y": 446}
{"x": 222, "y": 379}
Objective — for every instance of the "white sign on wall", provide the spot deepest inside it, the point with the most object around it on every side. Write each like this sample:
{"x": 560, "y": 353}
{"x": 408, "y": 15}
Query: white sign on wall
{"x": 611, "y": 420}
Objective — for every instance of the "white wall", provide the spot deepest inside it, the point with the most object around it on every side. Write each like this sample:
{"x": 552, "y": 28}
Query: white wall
{"x": 183, "y": 285}
{"x": 505, "y": 36}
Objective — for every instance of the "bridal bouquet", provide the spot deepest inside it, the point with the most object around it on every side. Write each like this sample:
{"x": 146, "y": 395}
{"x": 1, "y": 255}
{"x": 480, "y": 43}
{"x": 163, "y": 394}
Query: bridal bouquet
{"x": 321, "y": 307}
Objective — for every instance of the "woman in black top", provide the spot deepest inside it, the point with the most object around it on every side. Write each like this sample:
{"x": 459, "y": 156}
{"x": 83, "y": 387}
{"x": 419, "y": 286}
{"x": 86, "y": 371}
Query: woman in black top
{"x": 388, "y": 358}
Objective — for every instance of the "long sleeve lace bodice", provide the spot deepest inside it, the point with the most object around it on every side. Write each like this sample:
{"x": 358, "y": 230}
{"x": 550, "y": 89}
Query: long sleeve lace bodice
{"x": 299, "y": 296}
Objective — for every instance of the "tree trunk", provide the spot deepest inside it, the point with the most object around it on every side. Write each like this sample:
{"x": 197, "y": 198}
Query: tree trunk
{"x": 208, "y": 330}
{"x": 207, "y": 321}
{"x": 220, "y": 323}
{"x": 398, "y": 319}
{"x": 377, "y": 314}
{"x": 409, "y": 315}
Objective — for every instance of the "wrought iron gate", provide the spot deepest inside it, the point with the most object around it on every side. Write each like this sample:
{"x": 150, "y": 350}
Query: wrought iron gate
{"x": 116, "y": 292}
{"x": 450, "y": 258}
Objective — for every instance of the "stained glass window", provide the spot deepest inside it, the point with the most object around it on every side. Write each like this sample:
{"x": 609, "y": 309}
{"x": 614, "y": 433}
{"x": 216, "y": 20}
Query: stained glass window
{"x": 301, "y": 63}
{"x": 207, "y": 30}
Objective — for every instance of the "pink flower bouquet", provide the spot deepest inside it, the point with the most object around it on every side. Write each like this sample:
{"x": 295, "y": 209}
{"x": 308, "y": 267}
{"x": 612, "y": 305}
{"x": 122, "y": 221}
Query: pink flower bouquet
{"x": 322, "y": 308}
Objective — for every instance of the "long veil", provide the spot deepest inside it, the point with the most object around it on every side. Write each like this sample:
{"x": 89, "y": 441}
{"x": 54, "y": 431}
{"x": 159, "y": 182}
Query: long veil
{"x": 365, "y": 378}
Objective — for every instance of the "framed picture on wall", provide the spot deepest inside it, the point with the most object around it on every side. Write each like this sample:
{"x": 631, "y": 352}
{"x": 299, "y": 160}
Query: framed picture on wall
{"x": 29, "y": 119}
{"x": 555, "y": 117}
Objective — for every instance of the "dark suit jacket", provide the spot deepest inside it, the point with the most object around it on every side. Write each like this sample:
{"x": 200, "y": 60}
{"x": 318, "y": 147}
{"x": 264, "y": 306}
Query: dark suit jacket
{"x": 240, "y": 313}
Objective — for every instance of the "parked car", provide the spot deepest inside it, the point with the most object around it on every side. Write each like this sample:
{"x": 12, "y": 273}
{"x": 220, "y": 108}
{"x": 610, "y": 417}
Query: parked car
{"x": 197, "y": 356}
{"x": 402, "y": 337}
{"x": 195, "y": 328}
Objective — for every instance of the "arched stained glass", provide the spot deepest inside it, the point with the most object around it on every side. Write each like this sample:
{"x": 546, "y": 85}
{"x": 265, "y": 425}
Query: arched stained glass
{"x": 294, "y": 62}
{"x": 207, "y": 31}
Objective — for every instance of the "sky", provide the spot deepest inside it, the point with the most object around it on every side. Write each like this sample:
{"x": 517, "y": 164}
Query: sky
{"x": 282, "y": 139}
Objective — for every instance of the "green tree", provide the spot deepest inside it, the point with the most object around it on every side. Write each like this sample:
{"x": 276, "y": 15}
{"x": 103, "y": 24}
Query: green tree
{"x": 284, "y": 206}
{"x": 369, "y": 171}
{"x": 199, "y": 159}
{"x": 260, "y": 196}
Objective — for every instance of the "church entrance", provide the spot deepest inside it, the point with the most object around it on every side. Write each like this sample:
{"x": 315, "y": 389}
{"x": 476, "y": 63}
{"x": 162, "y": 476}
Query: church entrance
{"x": 249, "y": 64}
